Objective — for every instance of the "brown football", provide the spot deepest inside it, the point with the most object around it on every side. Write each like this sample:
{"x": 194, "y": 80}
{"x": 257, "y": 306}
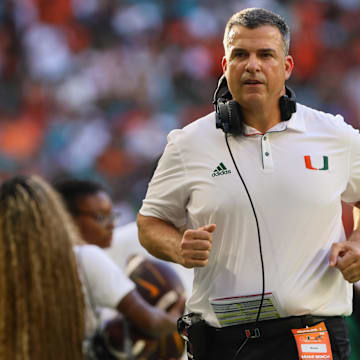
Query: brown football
{"x": 156, "y": 281}
{"x": 161, "y": 286}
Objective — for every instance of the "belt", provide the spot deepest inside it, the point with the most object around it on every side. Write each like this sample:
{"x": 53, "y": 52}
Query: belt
{"x": 269, "y": 328}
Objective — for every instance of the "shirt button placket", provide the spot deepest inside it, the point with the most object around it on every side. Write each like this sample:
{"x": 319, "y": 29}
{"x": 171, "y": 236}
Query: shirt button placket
{"x": 266, "y": 152}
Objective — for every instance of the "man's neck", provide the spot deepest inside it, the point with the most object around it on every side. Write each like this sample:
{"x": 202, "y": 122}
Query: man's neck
{"x": 262, "y": 118}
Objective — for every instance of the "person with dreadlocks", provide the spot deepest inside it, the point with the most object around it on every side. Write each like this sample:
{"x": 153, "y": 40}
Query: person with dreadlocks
{"x": 41, "y": 301}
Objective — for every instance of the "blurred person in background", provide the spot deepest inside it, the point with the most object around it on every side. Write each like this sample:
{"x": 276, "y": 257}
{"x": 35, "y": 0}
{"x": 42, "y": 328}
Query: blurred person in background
{"x": 41, "y": 302}
{"x": 106, "y": 285}
{"x": 250, "y": 196}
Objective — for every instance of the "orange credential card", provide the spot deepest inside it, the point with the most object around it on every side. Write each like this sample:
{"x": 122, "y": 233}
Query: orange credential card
{"x": 313, "y": 342}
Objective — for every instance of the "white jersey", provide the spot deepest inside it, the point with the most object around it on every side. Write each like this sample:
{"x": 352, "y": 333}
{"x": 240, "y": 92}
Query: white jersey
{"x": 297, "y": 174}
{"x": 104, "y": 283}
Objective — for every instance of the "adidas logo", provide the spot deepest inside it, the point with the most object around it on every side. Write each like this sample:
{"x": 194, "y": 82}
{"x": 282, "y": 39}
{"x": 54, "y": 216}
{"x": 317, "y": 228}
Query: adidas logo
{"x": 221, "y": 170}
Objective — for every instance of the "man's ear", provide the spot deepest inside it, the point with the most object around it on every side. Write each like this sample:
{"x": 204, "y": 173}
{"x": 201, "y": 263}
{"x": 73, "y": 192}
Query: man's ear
{"x": 289, "y": 65}
{"x": 224, "y": 63}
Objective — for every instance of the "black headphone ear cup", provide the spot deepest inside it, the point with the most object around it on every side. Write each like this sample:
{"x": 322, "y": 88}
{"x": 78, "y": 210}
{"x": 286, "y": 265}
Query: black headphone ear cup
{"x": 229, "y": 117}
{"x": 284, "y": 108}
{"x": 223, "y": 120}
{"x": 236, "y": 116}
{"x": 287, "y": 104}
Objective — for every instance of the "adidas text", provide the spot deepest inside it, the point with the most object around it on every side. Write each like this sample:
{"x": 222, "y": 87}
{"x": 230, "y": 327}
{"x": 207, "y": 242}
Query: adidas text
{"x": 223, "y": 172}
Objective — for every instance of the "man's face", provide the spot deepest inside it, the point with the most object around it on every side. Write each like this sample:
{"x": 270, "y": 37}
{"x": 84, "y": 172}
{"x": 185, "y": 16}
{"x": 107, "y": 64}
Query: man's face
{"x": 255, "y": 65}
{"x": 93, "y": 218}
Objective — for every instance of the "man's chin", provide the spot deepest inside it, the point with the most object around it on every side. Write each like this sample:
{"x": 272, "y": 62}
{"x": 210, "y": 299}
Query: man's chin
{"x": 106, "y": 243}
{"x": 251, "y": 101}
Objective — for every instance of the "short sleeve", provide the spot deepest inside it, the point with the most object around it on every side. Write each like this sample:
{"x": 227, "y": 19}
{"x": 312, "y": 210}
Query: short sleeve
{"x": 166, "y": 197}
{"x": 352, "y": 192}
{"x": 107, "y": 284}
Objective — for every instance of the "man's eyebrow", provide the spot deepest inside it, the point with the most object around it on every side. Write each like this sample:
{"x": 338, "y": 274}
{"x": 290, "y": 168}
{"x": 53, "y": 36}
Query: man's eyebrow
{"x": 266, "y": 50}
{"x": 237, "y": 49}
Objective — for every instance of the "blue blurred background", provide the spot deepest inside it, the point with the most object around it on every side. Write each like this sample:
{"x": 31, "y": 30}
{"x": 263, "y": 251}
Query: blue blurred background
{"x": 91, "y": 88}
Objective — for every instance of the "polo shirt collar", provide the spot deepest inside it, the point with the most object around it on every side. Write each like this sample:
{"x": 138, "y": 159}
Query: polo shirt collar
{"x": 296, "y": 123}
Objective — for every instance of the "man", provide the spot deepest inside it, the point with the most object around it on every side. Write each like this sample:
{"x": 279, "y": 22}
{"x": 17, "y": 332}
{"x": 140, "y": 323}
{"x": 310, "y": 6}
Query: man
{"x": 105, "y": 284}
{"x": 269, "y": 251}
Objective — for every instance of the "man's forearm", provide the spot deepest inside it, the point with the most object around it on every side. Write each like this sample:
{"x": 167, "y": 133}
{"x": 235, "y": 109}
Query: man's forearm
{"x": 160, "y": 238}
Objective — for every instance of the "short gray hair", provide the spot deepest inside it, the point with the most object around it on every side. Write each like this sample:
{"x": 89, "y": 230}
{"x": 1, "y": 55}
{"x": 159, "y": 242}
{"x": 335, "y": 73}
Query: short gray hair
{"x": 255, "y": 17}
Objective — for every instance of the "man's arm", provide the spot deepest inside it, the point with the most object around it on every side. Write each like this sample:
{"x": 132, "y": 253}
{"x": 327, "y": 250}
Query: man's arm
{"x": 160, "y": 238}
{"x": 153, "y": 321}
{"x": 166, "y": 242}
{"x": 345, "y": 255}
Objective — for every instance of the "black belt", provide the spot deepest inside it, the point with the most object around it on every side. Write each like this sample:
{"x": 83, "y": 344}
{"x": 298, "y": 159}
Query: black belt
{"x": 269, "y": 328}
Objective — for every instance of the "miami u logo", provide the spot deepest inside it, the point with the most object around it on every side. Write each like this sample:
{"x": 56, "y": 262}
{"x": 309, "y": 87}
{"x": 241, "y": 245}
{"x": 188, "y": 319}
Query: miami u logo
{"x": 310, "y": 167}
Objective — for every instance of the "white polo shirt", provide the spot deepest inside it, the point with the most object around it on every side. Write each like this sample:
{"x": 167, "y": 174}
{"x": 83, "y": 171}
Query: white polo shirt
{"x": 297, "y": 174}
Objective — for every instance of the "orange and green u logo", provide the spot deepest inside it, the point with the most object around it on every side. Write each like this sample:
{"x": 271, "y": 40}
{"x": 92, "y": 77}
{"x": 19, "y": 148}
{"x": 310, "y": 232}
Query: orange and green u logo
{"x": 310, "y": 167}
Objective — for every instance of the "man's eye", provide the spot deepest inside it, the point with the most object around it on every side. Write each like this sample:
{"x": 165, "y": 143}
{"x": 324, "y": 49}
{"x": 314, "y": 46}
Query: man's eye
{"x": 100, "y": 217}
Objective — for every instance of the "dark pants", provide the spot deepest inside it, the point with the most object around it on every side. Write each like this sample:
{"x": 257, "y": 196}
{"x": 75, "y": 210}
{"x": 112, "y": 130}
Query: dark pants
{"x": 276, "y": 341}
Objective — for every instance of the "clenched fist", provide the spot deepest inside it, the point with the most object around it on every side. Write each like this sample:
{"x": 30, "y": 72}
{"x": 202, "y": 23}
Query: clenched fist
{"x": 196, "y": 245}
{"x": 345, "y": 256}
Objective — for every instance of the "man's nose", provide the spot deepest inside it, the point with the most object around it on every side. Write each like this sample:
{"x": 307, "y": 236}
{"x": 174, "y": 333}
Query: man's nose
{"x": 253, "y": 64}
{"x": 110, "y": 225}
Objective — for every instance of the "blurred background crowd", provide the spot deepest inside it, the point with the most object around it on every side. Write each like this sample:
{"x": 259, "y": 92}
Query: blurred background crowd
{"x": 90, "y": 88}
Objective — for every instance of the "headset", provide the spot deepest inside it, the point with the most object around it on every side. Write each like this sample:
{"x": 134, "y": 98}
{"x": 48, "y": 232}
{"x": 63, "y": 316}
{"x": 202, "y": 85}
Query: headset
{"x": 229, "y": 115}
{"x": 229, "y": 118}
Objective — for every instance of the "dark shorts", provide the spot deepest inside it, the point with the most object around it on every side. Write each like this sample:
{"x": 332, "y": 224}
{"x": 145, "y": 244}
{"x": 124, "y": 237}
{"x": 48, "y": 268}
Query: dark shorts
{"x": 275, "y": 341}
